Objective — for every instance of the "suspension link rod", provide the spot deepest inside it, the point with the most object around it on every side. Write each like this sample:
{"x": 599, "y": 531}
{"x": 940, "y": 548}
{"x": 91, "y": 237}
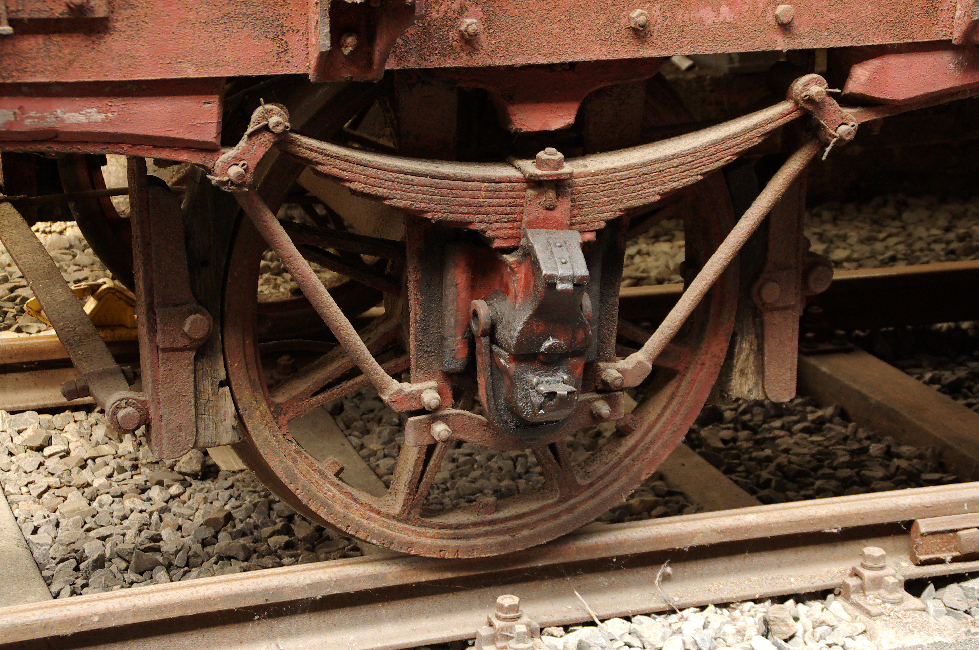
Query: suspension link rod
{"x": 88, "y": 352}
{"x": 632, "y": 370}
{"x": 400, "y": 396}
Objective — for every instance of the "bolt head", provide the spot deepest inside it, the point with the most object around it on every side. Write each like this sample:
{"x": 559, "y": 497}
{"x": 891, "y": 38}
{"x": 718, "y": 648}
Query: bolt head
{"x": 470, "y": 28}
{"x": 815, "y": 94}
{"x": 639, "y": 20}
{"x": 613, "y": 379}
{"x": 508, "y": 608}
{"x": 600, "y": 410}
{"x": 129, "y": 418}
{"x": 549, "y": 160}
{"x": 197, "y": 326}
{"x": 819, "y": 278}
{"x": 769, "y": 291}
{"x": 76, "y": 4}
{"x": 784, "y": 14}
{"x": 873, "y": 557}
{"x": 348, "y": 42}
{"x": 277, "y": 124}
{"x": 430, "y": 399}
{"x": 846, "y": 132}
{"x": 441, "y": 431}
{"x": 236, "y": 174}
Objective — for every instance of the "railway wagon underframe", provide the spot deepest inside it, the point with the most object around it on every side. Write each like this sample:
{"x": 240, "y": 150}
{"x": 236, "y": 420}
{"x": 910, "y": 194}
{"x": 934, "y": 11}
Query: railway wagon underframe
{"x": 451, "y": 186}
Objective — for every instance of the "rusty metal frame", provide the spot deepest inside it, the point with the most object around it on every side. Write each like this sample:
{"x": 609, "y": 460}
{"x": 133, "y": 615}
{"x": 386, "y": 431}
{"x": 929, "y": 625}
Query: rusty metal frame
{"x": 388, "y": 602}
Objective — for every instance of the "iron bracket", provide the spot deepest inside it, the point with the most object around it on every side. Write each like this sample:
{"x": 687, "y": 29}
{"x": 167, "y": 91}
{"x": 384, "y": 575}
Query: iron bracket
{"x": 171, "y": 323}
{"x": 508, "y": 628}
{"x": 875, "y": 588}
{"x": 235, "y": 169}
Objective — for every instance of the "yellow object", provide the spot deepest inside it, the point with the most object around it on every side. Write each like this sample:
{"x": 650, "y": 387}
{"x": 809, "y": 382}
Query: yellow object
{"x": 111, "y": 306}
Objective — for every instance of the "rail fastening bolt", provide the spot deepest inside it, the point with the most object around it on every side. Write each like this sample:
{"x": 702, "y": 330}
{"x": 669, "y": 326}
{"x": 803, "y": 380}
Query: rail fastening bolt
{"x": 893, "y": 590}
{"x": 430, "y": 399}
{"x": 600, "y": 410}
{"x": 508, "y": 608}
{"x": 441, "y": 431}
{"x": 784, "y": 14}
{"x": 549, "y": 160}
{"x": 470, "y": 28}
{"x": 613, "y": 378}
{"x": 348, "y": 43}
{"x": 277, "y": 124}
{"x": 75, "y": 5}
{"x": 873, "y": 557}
{"x": 129, "y": 418}
{"x": 639, "y": 20}
{"x": 197, "y": 326}
{"x": 236, "y": 174}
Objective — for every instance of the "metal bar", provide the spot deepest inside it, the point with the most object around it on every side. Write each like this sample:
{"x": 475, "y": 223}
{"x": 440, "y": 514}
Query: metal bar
{"x": 401, "y": 601}
{"x": 50, "y": 199}
{"x": 400, "y": 396}
{"x": 276, "y": 236}
{"x": 720, "y": 260}
{"x": 88, "y": 352}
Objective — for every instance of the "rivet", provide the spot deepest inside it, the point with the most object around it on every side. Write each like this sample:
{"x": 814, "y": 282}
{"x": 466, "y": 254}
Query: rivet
{"x": 348, "y": 42}
{"x": 846, "y": 132}
{"x": 470, "y": 28}
{"x": 784, "y": 14}
{"x": 639, "y": 20}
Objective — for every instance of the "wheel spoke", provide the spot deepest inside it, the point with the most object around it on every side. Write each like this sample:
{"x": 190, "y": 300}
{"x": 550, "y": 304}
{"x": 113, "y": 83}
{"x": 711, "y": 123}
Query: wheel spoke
{"x": 357, "y": 271}
{"x": 674, "y": 356}
{"x": 555, "y": 462}
{"x": 671, "y": 207}
{"x": 413, "y": 477}
{"x": 332, "y": 365}
{"x": 343, "y": 240}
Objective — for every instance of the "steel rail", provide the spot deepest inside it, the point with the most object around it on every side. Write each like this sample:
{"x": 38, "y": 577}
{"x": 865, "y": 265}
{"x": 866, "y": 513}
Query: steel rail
{"x": 392, "y": 601}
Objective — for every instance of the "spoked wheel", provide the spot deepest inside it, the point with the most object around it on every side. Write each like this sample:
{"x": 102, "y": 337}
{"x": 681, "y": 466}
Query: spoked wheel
{"x": 582, "y": 475}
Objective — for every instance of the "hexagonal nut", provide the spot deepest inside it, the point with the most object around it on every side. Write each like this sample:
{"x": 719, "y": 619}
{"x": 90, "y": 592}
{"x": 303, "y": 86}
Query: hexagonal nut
{"x": 784, "y": 14}
{"x": 508, "y": 608}
{"x": 237, "y": 174}
{"x": 441, "y": 432}
{"x": 873, "y": 557}
{"x": 430, "y": 399}
{"x": 639, "y": 20}
{"x": 846, "y": 132}
{"x": 549, "y": 160}
{"x": 278, "y": 124}
{"x": 613, "y": 378}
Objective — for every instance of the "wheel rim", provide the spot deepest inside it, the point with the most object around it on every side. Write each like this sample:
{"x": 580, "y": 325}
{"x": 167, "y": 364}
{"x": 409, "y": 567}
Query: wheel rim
{"x": 616, "y": 468}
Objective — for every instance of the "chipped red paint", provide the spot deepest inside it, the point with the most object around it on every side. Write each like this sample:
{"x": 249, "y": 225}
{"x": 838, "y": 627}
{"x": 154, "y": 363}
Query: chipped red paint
{"x": 175, "y": 113}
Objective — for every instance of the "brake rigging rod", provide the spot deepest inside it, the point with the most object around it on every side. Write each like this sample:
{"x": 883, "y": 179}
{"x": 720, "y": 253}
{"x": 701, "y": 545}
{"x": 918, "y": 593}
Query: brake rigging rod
{"x": 637, "y": 366}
